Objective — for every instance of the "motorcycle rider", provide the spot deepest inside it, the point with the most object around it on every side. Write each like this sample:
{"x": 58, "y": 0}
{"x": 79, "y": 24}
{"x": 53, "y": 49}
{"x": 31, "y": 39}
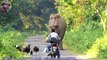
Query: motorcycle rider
{"x": 53, "y": 37}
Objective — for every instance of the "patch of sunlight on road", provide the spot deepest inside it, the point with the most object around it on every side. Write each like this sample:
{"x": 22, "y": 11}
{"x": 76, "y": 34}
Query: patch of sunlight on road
{"x": 89, "y": 57}
{"x": 84, "y": 56}
{"x": 27, "y": 55}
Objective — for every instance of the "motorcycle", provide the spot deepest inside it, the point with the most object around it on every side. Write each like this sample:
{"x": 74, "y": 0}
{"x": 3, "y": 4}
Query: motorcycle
{"x": 54, "y": 51}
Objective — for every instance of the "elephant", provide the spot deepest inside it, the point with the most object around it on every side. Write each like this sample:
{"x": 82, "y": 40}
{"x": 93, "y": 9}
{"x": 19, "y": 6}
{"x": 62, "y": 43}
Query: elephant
{"x": 59, "y": 24}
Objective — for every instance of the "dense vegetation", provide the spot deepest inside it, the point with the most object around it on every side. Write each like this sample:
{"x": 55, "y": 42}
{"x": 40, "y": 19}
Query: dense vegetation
{"x": 86, "y": 24}
{"x": 8, "y": 40}
{"x": 22, "y": 20}
{"x": 27, "y": 15}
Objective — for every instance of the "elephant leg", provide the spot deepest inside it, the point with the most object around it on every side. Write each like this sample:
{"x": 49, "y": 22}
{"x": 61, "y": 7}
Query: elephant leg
{"x": 60, "y": 45}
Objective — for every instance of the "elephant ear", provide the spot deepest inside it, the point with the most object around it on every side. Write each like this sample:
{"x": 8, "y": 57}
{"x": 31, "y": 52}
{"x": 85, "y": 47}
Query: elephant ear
{"x": 54, "y": 20}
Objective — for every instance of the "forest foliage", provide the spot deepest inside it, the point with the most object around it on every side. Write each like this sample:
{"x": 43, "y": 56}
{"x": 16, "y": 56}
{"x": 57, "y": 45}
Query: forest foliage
{"x": 27, "y": 15}
{"x": 23, "y": 19}
{"x": 8, "y": 40}
{"x": 86, "y": 24}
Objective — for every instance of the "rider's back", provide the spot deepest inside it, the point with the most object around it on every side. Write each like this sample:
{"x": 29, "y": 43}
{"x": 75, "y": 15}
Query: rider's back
{"x": 55, "y": 35}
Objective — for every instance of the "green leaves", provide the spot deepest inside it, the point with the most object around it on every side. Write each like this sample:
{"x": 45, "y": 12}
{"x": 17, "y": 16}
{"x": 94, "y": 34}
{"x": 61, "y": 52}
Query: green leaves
{"x": 70, "y": 1}
{"x": 99, "y": 48}
{"x": 81, "y": 11}
{"x": 8, "y": 41}
{"x": 82, "y": 39}
{"x": 28, "y": 14}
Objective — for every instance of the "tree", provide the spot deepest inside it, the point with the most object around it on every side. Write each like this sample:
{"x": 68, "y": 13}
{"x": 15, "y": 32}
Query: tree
{"x": 77, "y": 12}
{"x": 30, "y": 14}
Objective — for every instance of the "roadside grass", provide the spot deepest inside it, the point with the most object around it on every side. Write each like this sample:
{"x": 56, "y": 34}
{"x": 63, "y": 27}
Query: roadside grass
{"x": 87, "y": 40}
{"x": 9, "y": 39}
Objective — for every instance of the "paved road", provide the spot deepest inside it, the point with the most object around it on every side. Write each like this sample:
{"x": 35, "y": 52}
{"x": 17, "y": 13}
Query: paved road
{"x": 39, "y": 41}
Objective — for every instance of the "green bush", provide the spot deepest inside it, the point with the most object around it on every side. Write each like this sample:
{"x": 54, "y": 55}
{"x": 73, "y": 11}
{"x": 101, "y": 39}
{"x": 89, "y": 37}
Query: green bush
{"x": 8, "y": 40}
{"x": 81, "y": 40}
{"x": 99, "y": 48}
